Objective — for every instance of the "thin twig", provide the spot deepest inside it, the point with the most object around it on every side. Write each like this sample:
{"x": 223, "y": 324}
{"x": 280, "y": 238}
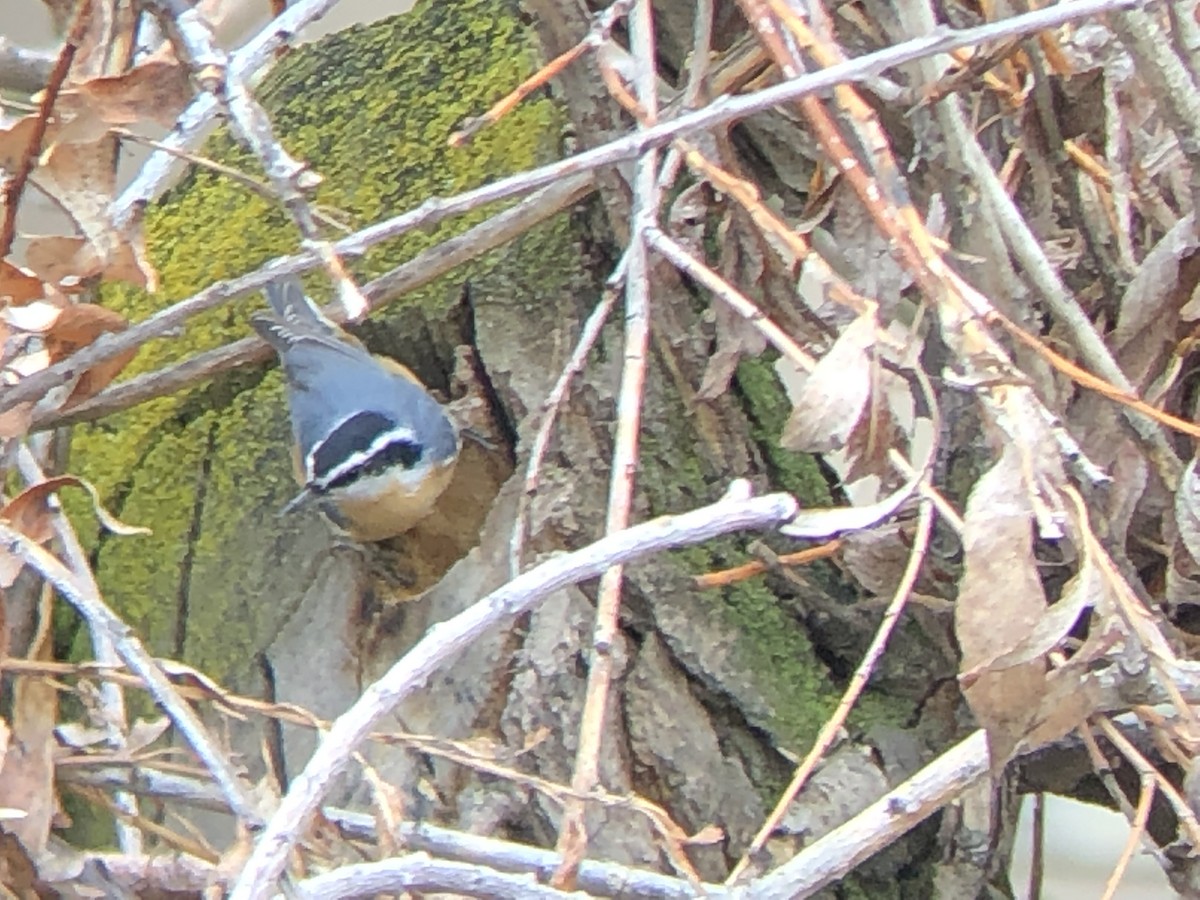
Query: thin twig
{"x": 418, "y": 873}
{"x": 597, "y": 35}
{"x": 1187, "y": 819}
{"x": 1169, "y": 81}
{"x": 750, "y": 569}
{"x": 1067, "y": 311}
{"x": 671, "y": 250}
{"x": 600, "y": 879}
{"x": 1104, "y": 772}
{"x": 1137, "y": 831}
{"x": 422, "y": 269}
{"x": 1037, "y": 854}
{"x": 858, "y": 682}
{"x": 261, "y": 188}
{"x": 550, "y": 408}
{"x": 112, "y": 700}
{"x": 572, "y": 833}
{"x": 290, "y": 179}
{"x": 837, "y": 853}
{"x": 250, "y": 62}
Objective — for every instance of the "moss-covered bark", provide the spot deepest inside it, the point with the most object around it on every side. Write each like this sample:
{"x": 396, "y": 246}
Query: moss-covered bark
{"x": 223, "y": 578}
{"x": 370, "y": 109}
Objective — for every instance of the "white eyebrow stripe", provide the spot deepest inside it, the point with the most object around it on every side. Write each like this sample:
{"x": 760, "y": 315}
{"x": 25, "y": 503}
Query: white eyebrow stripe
{"x": 354, "y": 460}
{"x": 311, "y": 459}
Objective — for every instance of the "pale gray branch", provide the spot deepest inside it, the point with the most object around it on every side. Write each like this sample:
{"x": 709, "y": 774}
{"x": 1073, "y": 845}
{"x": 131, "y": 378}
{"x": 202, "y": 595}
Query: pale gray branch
{"x": 248, "y": 63}
{"x": 417, "y": 872}
{"x": 445, "y": 640}
{"x": 422, "y": 269}
{"x": 720, "y": 112}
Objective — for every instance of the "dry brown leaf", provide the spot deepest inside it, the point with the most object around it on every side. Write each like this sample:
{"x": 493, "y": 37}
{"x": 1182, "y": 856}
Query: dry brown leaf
{"x": 155, "y": 90}
{"x": 688, "y": 215}
{"x": 1187, "y": 510}
{"x": 35, "y": 318}
{"x": 1068, "y": 698}
{"x": 735, "y": 339}
{"x": 29, "y": 512}
{"x": 832, "y": 398}
{"x": 79, "y": 325}
{"x": 15, "y": 140}
{"x": 1000, "y": 602}
{"x": 877, "y": 558}
{"x": 27, "y": 775}
{"x": 18, "y": 286}
{"x": 1086, "y": 589}
{"x": 56, "y": 258}
{"x": 875, "y": 433}
{"x": 1149, "y": 323}
{"x": 18, "y": 873}
{"x": 81, "y": 178}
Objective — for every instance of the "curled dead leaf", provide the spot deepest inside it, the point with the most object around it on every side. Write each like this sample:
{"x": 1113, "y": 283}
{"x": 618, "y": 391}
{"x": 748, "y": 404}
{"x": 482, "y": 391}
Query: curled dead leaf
{"x": 832, "y": 398}
{"x": 29, "y": 512}
{"x": 34, "y": 318}
{"x": 16, "y": 421}
{"x": 156, "y": 90}
{"x": 1000, "y": 602}
{"x": 79, "y": 325}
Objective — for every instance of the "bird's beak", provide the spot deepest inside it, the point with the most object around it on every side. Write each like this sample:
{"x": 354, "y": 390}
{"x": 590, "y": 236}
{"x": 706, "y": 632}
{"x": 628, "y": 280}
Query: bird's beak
{"x": 301, "y": 500}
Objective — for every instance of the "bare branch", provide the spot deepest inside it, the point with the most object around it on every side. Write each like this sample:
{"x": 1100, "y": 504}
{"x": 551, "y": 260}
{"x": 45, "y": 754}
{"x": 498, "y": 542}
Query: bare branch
{"x": 447, "y": 639}
{"x": 417, "y": 872}
{"x": 833, "y": 856}
{"x": 572, "y": 834}
{"x": 435, "y": 209}
{"x": 250, "y": 62}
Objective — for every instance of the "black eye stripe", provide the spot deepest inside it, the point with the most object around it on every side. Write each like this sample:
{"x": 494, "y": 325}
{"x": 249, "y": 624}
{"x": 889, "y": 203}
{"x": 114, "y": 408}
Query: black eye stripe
{"x": 396, "y": 453}
{"x": 355, "y": 437}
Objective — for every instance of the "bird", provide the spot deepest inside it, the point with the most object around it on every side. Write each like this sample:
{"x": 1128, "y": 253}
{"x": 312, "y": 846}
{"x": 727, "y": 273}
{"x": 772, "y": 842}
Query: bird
{"x": 372, "y": 447}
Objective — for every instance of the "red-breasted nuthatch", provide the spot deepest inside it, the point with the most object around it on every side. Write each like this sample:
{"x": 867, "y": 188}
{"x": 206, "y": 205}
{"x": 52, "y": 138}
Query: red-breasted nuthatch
{"x": 371, "y": 445}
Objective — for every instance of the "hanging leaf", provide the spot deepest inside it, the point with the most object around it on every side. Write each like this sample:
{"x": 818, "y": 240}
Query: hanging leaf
{"x": 832, "y": 398}
{"x": 1000, "y": 602}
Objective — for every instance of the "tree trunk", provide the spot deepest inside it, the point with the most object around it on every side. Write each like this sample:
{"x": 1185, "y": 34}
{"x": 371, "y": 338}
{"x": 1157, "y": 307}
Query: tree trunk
{"x": 718, "y": 690}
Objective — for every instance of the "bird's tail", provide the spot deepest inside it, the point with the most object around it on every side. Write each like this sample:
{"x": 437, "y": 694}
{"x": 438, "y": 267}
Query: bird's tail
{"x": 293, "y": 316}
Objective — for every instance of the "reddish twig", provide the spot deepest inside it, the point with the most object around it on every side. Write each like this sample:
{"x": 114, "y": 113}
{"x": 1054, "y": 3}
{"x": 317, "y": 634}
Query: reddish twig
{"x": 596, "y": 36}
{"x": 572, "y": 835}
{"x": 750, "y": 569}
{"x": 58, "y": 76}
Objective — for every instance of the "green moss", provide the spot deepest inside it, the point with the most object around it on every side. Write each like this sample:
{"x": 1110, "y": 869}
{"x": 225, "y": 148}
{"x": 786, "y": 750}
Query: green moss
{"x": 797, "y": 473}
{"x": 770, "y": 642}
{"x": 369, "y": 109}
